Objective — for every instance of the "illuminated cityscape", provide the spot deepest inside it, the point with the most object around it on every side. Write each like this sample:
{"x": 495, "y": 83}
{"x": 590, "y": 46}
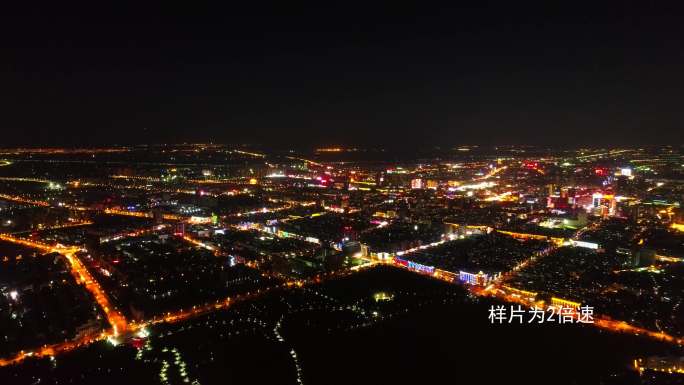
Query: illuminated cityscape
{"x": 113, "y": 256}
{"x": 329, "y": 193}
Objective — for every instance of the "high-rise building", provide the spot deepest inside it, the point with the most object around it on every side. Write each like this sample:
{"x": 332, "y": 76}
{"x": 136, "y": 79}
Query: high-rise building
{"x": 179, "y": 229}
{"x": 551, "y": 190}
{"x": 380, "y": 178}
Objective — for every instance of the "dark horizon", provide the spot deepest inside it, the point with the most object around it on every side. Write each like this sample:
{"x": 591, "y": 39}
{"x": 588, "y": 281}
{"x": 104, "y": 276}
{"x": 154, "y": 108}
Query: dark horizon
{"x": 385, "y": 75}
{"x": 410, "y": 148}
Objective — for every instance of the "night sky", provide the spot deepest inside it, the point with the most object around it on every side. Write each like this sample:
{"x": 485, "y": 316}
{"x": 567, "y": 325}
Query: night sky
{"x": 386, "y": 75}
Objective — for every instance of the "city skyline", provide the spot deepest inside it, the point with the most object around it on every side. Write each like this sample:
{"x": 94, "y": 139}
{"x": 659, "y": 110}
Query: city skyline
{"x": 306, "y": 193}
{"x": 200, "y": 262}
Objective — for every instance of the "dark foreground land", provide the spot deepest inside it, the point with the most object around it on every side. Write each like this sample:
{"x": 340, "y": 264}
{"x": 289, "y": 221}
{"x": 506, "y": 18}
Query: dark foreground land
{"x": 383, "y": 326}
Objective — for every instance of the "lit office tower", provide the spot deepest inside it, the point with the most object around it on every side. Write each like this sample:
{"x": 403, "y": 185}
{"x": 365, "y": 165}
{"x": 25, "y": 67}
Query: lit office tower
{"x": 180, "y": 229}
{"x": 551, "y": 190}
{"x": 380, "y": 179}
